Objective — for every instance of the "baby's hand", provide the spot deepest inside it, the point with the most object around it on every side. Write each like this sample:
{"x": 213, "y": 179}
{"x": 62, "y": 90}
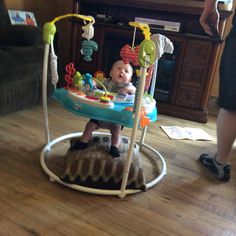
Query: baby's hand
{"x": 129, "y": 90}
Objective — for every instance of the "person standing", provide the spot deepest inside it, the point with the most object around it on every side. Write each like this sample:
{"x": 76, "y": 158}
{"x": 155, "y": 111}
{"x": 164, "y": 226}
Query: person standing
{"x": 226, "y": 120}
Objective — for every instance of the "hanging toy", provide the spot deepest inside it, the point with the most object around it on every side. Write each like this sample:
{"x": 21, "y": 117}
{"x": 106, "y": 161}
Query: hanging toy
{"x": 147, "y": 53}
{"x": 148, "y": 78}
{"x": 53, "y": 66}
{"x": 88, "y": 30}
{"x": 99, "y": 75}
{"x": 163, "y": 45}
{"x": 70, "y": 69}
{"x": 88, "y": 46}
{"x": 129, "y": 54}
{"x": 88, "y": 82}
{"x": 78, "y": 81}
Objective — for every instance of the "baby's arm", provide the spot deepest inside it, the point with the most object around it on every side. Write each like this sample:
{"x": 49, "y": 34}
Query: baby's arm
{"x": 129, "y": 89}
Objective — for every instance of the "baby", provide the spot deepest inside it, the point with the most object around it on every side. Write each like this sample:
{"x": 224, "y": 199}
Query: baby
{"x": 119, "y": 82}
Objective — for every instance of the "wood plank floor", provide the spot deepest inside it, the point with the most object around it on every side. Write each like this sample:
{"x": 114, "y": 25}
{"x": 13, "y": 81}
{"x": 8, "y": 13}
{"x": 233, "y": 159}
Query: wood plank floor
{"x": 188, "y": 201}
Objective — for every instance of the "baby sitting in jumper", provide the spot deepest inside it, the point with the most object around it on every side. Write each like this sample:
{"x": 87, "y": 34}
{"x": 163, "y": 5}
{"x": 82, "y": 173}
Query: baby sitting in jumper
{"x": 119, "y": 82}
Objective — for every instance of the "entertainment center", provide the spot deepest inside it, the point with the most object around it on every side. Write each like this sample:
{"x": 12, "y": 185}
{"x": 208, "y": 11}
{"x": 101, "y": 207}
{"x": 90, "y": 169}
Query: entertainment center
{"x": 184, "y": 78}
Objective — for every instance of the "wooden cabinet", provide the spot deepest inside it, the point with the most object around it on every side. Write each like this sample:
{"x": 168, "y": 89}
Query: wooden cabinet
{"x": 184, "y": 78}
{"x": 194, "y": 73}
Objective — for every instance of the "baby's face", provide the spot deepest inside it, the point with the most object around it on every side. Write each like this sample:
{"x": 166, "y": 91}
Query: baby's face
{"x": 121, "y": 73}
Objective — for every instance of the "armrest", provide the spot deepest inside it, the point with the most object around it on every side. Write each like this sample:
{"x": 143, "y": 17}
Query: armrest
{"x": 20, "y": 35}
{"x": 20, "y": 60}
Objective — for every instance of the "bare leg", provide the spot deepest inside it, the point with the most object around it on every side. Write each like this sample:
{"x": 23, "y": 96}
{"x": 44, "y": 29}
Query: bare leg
{"x": 115, "y": 135}
{"x": 115, "y": 140}
{"x": 226, "y": 134}
{"x": 82, "y": 143}
{"x": 87, "y": 134}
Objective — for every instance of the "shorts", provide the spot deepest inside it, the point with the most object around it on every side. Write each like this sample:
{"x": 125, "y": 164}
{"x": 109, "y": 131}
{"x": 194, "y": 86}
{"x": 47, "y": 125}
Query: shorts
{"x": 227, "y": 87}
{"x": 104, "y": 124}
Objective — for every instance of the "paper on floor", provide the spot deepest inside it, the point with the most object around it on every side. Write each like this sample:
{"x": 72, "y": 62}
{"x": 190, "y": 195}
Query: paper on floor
{"x": 177, "y": 132}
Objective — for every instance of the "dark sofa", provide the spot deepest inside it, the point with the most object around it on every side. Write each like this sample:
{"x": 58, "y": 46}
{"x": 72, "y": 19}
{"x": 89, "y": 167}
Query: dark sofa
{"x": 21, "y": 59}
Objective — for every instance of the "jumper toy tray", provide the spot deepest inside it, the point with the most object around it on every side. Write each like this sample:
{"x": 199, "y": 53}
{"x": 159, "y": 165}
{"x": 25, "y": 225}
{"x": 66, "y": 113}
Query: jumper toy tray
{"x": 115, "y": 112}
{"x": 81, "y": 97}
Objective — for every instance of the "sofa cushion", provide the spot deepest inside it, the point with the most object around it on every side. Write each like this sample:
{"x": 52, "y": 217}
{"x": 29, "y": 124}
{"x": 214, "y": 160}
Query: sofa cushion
{"x": 19, "y": 94}
{"x": 20, "y": 61}
{"x": 3, "y": 14}
{"x": 20, "y": 35}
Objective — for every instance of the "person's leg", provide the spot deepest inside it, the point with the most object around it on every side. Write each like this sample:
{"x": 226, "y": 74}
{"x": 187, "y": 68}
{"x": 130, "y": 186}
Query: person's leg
{"x": 226, "y": 134}
{"x": 87, "y": 134}
{"x": 226, "y": 121}
{"x": 115, "y": 140}
{"x": 82, "y": 143}
{"x": 115, "y": 135}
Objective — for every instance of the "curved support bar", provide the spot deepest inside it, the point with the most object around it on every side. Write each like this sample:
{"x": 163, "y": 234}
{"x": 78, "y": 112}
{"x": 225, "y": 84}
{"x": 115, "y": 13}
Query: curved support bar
{"x": 49, "y": 28}
{"x": 142, "y": 26}
{"x": 83, "y": 17}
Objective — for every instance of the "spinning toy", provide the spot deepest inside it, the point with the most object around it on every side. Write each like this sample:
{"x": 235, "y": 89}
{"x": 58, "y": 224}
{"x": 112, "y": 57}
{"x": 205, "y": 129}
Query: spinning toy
{"x": 85, "y": 95}
{"x": 88, "y": 46}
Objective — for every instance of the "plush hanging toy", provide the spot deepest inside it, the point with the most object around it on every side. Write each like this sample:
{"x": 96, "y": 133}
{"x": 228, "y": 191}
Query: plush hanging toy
{"x": 130, "y": 54}
{"x": 88, "y": 46}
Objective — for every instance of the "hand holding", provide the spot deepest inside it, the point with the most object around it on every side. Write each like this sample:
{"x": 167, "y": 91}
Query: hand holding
{"x": 209, "y": 20}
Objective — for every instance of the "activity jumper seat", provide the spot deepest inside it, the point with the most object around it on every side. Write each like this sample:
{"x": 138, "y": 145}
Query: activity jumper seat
{"x": 82, "y": 97}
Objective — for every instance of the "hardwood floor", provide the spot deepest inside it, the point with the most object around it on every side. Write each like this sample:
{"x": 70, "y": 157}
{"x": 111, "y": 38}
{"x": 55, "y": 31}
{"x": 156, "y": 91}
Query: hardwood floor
{"x": 188, "y": 201}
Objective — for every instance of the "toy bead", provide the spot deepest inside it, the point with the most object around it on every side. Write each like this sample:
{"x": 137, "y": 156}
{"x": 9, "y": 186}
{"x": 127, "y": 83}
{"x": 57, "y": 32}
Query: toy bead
{"x": 105, "y": 99}
{"x": 88, "y": 46}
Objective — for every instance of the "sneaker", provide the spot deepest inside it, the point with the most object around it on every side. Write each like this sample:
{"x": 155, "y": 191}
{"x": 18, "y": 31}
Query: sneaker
{"x": 221, "y": 171}
{"x": 114, "y": 151}
{"x": 78, "y": 145}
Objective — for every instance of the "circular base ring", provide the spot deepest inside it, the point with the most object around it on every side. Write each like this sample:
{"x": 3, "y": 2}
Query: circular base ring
{"x": 53, "y": 177}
